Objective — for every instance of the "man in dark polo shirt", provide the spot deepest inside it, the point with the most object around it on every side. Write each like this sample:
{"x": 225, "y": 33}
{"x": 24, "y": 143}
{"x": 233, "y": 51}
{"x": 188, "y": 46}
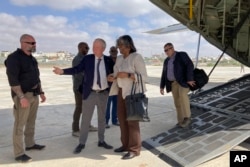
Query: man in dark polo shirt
{"x": 23, "y": 75}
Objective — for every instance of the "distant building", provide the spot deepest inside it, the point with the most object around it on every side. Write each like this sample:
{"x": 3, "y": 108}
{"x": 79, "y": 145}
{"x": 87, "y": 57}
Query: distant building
{"x": 4, "y": 53}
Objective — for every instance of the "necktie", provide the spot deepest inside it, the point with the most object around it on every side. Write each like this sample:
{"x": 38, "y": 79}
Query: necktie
{"x": 98, "y": 74}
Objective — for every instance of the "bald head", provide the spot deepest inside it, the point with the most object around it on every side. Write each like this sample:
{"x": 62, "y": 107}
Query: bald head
{"x": 28, "y": 44}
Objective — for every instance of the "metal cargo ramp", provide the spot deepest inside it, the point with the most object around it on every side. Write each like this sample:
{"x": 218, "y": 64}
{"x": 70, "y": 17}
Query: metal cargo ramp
{"x": 220, "y": 121}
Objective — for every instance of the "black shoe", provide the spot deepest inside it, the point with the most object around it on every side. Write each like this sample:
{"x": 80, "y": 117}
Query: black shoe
{"x": 129, "y": 155}
{"x": 23, "y": 158}
{"x": 35, "y": 147}
{"x": 119, "y": 150}
{"x": 79, "y": 148}
{"x": 104, "y": 145}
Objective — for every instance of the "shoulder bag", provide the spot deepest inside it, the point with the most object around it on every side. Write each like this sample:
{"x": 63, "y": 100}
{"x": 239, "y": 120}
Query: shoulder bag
{"x": 137, "y": 103}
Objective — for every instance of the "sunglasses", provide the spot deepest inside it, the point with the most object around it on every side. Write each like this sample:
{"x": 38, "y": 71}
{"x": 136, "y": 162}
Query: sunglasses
{"x": 166, "y": 50}
{"x": 30, "y": 43}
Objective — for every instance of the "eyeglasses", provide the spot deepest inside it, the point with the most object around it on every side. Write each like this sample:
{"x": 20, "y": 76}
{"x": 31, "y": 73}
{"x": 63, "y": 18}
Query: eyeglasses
{"x": 166, "y": 50}
{"x": 30, "y": 43}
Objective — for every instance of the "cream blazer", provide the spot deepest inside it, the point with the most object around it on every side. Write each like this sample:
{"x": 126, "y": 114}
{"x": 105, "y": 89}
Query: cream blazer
{"x": 135, "y": 64}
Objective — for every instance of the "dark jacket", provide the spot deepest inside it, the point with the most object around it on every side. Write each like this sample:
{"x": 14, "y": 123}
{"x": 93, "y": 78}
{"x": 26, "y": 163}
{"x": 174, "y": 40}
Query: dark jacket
{"x": 87, "y": 66}
{"x": 183, "y": 71}
{"x": 77, "y": 78}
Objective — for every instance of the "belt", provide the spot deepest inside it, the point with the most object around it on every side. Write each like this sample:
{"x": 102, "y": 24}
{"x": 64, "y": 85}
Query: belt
{"x": 99, "y": 91}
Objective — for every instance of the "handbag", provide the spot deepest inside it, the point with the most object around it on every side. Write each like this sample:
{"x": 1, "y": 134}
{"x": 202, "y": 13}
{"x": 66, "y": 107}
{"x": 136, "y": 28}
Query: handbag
{"x": 137, "y": 103}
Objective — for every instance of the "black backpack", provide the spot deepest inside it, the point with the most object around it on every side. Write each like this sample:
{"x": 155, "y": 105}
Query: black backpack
{"x": 200, "y": 78}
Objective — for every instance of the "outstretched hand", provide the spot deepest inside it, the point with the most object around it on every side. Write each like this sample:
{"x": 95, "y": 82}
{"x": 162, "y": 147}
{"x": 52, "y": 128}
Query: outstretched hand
{"x": 57, "y": 70}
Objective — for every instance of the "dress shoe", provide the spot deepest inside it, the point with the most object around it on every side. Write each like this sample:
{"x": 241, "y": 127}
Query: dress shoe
{"x": 119, "y": 150}
{"x": 129, "y": 155}
{"x": 23, "y": 158}
{"x": 35, "y": 147}
{"x": 104, "y": 145}
{"x": 79, "y": 148}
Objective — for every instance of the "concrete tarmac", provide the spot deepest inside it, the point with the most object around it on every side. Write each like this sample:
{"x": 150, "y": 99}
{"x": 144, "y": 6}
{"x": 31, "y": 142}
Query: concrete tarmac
{"x": 54, "y": 120}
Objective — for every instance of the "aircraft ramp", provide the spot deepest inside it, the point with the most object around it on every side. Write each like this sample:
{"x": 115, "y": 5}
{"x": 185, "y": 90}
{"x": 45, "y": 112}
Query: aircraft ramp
{"x": 220, "y": 121}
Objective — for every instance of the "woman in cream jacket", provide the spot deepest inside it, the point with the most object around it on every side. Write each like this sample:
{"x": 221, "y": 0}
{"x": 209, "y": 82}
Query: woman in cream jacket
{"x": 128, "y": 64}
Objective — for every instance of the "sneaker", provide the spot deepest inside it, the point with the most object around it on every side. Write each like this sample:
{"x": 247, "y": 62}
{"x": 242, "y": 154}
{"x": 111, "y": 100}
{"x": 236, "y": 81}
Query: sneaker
{"x": 185, "y": 122}
{"x": 23, "y": 158}
{"x": 107, "y": 126}
{"x": 92, "y": 128}
{"x": 76, "y": 134}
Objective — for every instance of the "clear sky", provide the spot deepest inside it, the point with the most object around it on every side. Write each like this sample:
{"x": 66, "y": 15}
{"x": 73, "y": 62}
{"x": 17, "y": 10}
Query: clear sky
{"x": 59, "y": 25}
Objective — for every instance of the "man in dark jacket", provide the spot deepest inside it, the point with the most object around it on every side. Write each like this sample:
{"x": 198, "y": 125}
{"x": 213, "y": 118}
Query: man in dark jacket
{"x": 95, "y": 90}
{"x": 177, "y": 76}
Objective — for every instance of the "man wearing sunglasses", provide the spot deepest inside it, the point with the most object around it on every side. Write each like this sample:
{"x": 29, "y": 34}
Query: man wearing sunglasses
{"x": 83, "y": 50}
{"x": 177, "y": 76}
{"x": 24, "y": 80}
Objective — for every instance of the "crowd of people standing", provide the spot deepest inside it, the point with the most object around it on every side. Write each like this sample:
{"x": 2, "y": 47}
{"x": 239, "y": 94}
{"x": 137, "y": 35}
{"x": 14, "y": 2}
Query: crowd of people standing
{"x": 98, "y": 81}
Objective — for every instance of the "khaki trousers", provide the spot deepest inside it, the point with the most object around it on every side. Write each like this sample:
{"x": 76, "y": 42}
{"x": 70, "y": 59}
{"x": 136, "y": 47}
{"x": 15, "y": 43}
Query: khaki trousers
{"x": 181, "y": 101}
{"x": 24, "y": 125}
{"x": 130, "y": 130}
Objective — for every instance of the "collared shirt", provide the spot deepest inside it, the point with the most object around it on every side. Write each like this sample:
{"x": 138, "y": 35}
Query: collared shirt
{"x": 170, "y": 70}
{"x": 103, "y": 75}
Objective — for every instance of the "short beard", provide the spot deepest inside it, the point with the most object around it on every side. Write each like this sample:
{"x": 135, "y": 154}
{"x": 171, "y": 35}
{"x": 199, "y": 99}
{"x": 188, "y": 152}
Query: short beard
{"x": 32, "y": 50}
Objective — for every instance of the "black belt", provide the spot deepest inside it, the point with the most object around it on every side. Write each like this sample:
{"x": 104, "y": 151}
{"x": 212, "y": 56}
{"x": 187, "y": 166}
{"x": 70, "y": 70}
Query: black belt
{"x": 99, "y": 91}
